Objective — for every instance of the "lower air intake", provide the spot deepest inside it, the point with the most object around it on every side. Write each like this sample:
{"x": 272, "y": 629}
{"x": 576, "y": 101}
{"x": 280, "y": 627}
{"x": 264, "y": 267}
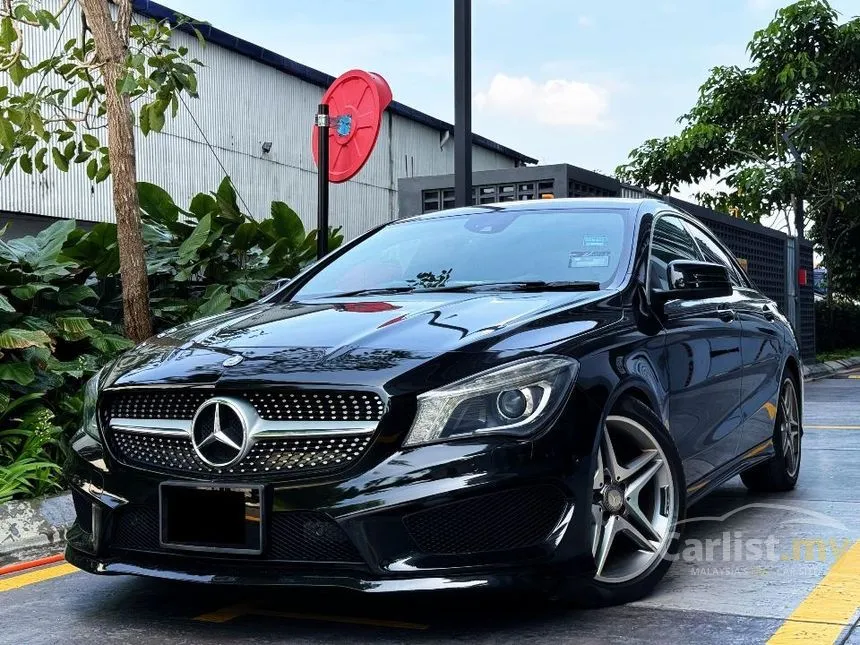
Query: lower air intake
{"x": 494, "y": 522}
{"x": 294, "y": 536}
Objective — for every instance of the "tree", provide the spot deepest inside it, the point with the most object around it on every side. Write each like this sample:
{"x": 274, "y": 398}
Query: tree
{"x": 87, "y": 85}
{"x": 802, "y": 88}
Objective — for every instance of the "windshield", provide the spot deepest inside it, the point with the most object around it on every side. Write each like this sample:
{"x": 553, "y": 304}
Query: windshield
{"x": 484, "y": 247}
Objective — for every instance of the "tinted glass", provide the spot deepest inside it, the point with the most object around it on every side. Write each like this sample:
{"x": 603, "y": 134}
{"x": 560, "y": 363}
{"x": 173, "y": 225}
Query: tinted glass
{"x": 487, "y": 246}
{"x": 711, "y": 252}
{"x": 671, "y": 241}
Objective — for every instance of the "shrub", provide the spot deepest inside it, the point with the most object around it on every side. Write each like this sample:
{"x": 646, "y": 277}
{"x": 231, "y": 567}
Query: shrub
{"x": 211, "y": 257}
{"x": 51, "y": 339}
{"x": 60, "y": 307}
{"x": 837, "y": 326}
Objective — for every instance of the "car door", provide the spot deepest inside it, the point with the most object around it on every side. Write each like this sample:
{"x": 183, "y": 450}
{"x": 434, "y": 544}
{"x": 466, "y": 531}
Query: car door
{"x": 761, "y": 347}
{"x": 703, "y": 360}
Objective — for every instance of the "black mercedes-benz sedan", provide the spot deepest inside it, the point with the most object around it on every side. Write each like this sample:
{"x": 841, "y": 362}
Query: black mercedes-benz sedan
{"x": 521, "y": 395}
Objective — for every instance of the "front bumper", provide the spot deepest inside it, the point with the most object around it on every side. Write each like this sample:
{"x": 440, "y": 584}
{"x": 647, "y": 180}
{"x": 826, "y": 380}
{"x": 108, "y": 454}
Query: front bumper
{"x": 446, "y": 516}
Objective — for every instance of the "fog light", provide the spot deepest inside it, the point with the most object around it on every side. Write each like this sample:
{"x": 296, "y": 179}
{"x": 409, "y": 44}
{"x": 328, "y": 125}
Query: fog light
{"x": 512, "y": 404}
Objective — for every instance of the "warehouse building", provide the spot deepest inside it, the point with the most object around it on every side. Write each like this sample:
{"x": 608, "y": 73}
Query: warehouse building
{"x": 254, "y": 117}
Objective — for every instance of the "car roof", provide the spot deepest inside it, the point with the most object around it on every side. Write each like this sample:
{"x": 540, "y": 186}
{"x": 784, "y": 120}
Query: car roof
{"x": 633, "y": 206}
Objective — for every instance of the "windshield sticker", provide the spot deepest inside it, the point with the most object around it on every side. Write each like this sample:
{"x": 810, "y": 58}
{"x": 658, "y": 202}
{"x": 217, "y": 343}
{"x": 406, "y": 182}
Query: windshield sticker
{"x": 588, "y": 259}
{"x": 594, "y": 240}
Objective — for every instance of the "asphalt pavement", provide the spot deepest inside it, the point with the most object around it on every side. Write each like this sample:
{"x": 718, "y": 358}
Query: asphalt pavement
{"x": 753, "y": 568}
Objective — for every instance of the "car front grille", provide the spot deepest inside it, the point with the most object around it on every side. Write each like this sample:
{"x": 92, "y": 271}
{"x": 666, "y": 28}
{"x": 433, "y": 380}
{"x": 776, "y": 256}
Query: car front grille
{"x": 498, "y": 521}
{"x": 294, "y": 431}
{"x": 266, "y": 457}
{"x": 294, "y": 536}
{"x": 276, "y": 405}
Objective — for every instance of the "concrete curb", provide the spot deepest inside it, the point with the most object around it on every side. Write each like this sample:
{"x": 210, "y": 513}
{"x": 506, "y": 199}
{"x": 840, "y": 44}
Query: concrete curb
{"x": 822, "y": 370}
{"x": 41, "y": 524}
{"x": 38, "y": 524}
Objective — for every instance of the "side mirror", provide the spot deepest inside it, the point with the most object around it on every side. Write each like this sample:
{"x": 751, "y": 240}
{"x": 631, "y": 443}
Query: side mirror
{"x": 693, "y": 281}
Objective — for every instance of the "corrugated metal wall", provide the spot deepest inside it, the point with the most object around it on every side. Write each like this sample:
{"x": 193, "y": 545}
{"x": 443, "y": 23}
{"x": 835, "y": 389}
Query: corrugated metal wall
{"x": 242, "y": 104}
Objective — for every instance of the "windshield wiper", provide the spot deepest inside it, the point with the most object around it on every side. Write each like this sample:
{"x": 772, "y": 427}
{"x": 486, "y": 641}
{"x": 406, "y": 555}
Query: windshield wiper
{"x": 371, "y": 292}
{"x": 527, "y": 285}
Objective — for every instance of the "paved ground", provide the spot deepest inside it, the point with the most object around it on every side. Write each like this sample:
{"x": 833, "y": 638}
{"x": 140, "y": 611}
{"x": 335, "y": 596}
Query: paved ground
{"x": 791, "y": 574}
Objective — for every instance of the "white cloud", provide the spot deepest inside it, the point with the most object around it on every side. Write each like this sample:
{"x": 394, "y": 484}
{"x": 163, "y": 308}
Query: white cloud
{"x": 585, "y": 22}
{"x": 555, "y": 102}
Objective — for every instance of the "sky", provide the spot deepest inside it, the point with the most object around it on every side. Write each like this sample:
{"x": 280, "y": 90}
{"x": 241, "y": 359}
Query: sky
{"x": 559, "y": 80}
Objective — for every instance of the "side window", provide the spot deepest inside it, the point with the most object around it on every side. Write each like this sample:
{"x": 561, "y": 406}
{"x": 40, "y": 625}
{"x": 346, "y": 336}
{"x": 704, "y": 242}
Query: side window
{"x": 712, "y": 252}
{"x": 671, "y": 241}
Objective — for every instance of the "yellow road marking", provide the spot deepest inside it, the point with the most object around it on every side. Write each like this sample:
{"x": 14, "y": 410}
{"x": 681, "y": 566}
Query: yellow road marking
{"x": 234, "y": 611}
{"x": 808, "y": 427}
{"x": 854, "y": 376}
{"x": 39, "y": 575}
{"x": 829, "y": 609}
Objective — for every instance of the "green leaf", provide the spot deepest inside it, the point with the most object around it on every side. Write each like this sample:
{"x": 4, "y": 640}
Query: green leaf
{"x": 156, "y": 115}
{"x": 7, "y": 134}
{"x": 19, "y": 372}
{"x": 218, "y": 303}
{"x": 26, "y": 164}
{"x": 41, "y": 166}
{"x": 203, "y": 204}
{"x": 75, "y": 294}
{"x": 90, "y": 141}
{"x": 288, "y": 225}
{"x": 28, "y": 291}
{"x": 17, "y": 73}
{"x": 5, "y": 305}
{"x": 157, "y": 203}
{"x": 7, "y": 33}
{"x": 109, "y": 343}
{"x": 189, "y": 247}
{"x": 73, "y": 326}
{"x": 244, "y": 236}
{"x": 92, "y": 168}
{"x": 103, "y": 171}
{"x": 144, "y": 120}
{"x": 59, "y": 159}
{"x": 226, "y": 198}
{"x": 21, "y": 338}
{"x": 127, "y": 84}
{"x": 243, "y": 292}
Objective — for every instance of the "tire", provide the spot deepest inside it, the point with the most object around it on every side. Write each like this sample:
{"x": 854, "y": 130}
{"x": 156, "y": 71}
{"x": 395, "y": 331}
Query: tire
{"x": 636, "y": 572}
{"x": 780, "y": 472}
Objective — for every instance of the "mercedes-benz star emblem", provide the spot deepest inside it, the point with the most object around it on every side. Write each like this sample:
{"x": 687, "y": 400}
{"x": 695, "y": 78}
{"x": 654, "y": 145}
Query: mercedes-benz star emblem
{"x": 219, "y": 432}
{"x": 233, "y": 360}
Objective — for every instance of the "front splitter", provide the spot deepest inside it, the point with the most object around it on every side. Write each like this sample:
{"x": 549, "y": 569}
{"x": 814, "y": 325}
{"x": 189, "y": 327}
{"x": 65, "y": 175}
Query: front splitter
{"x": 501, "y": 581}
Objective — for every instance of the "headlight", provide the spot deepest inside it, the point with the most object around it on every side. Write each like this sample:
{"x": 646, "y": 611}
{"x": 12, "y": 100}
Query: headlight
{"x": 514, "y": 399}
{"x": 90, "y": 423}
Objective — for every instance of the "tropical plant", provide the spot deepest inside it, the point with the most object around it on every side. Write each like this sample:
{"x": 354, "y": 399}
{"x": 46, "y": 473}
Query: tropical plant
{"x": 52, "y": 337}
{"x": 61, "y": 307}
{"x": 211, "y": 256}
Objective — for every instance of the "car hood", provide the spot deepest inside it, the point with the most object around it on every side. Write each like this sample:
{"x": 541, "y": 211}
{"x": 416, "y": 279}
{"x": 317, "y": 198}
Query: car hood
{"x": 345, "y": 340}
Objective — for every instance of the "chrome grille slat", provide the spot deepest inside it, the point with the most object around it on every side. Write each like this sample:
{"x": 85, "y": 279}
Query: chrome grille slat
{"x": 275, "y": 405}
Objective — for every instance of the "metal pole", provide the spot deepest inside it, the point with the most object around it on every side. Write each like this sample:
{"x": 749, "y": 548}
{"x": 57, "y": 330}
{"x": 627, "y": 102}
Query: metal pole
{"x": 463, "y": 102}
{"x": 322, "y": 180}
{"x": 798, "y": 227}
{"x": 798, "y": 224}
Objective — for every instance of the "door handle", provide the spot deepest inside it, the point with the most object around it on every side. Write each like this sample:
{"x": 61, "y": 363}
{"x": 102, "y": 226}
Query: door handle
{"x": 769, "y": 313}
{"x": 726, "y": 315}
